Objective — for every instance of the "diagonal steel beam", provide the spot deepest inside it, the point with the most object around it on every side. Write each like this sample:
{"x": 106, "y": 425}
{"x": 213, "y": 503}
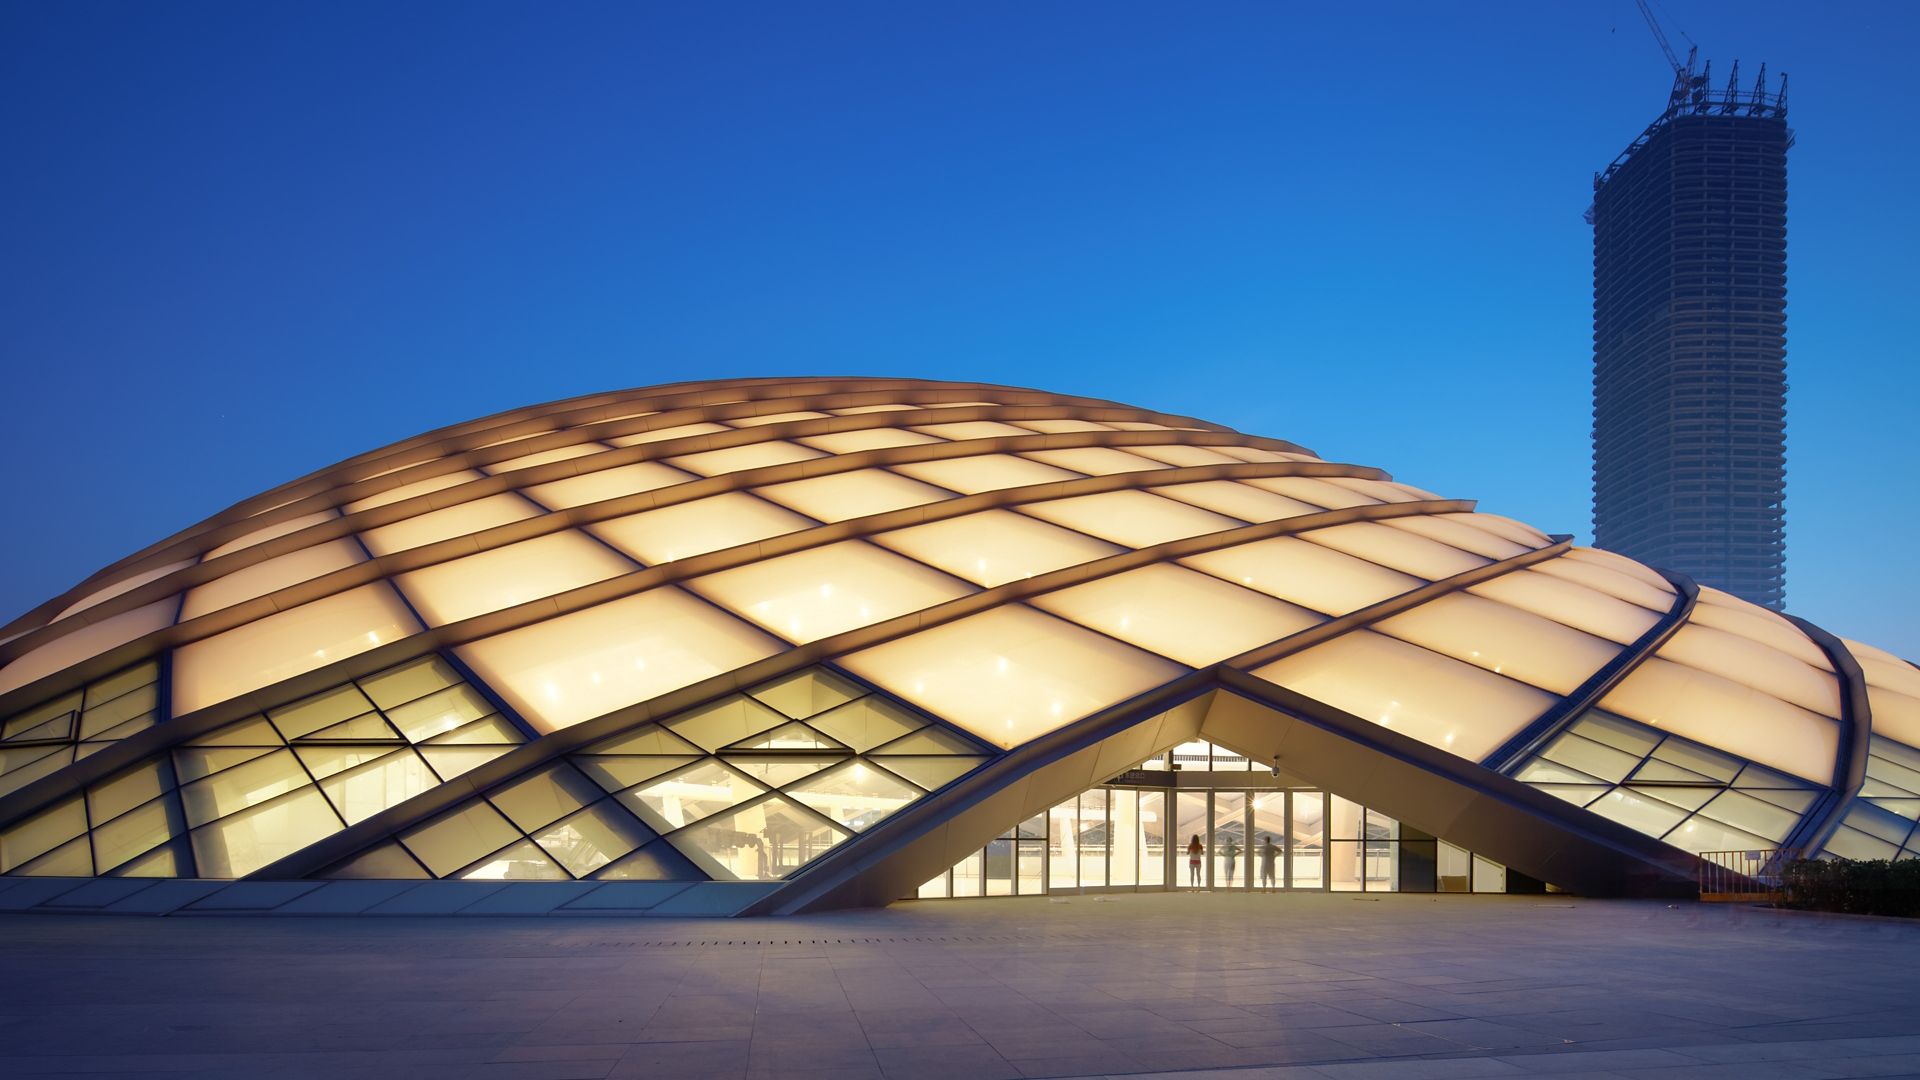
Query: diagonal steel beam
{"x": 1551, "y": 723}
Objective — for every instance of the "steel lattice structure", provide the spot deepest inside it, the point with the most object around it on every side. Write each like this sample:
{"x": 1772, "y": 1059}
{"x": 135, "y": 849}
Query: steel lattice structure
{"x": 785, "y": 644}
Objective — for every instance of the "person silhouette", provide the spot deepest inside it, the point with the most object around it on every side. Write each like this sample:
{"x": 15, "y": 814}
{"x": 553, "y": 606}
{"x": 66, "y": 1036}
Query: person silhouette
{"x": 1269, "y": 855}
{"x": 1194, "y": 852}
{"x": 1232, "y": 851}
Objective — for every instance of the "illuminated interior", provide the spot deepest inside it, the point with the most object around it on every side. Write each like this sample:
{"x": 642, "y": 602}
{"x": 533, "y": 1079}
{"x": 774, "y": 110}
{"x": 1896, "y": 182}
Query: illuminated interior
{"x": 783, "y": 632}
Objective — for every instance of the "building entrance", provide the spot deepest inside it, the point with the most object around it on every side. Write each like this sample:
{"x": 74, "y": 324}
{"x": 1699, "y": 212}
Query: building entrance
{"x": 1252, "y": 839}
{"x": 1132, "y": 834}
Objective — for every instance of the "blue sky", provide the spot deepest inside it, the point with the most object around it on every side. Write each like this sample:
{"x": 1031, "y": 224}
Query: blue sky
{"x": 243, "y": 241}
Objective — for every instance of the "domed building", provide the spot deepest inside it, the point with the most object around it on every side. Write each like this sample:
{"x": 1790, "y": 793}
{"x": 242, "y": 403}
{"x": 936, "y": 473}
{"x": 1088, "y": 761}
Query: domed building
{"x": 779, "y": 645}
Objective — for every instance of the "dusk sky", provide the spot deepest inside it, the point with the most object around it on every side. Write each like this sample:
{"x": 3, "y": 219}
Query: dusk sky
{"x": 239, "y": 242}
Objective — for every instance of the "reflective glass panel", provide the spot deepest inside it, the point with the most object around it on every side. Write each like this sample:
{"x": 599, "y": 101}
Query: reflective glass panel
{"x": 762, "y": 841}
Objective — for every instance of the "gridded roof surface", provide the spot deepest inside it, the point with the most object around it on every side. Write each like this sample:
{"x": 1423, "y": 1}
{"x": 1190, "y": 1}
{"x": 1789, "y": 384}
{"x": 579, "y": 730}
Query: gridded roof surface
{"x": 999, "y": 563}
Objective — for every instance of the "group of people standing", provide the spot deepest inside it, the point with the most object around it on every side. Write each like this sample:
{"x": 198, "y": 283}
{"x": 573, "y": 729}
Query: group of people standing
{"x": 1268, "y": 851}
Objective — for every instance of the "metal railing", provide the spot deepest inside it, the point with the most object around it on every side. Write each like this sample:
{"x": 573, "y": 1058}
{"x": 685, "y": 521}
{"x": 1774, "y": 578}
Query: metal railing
{"x": 1744, "y": 876}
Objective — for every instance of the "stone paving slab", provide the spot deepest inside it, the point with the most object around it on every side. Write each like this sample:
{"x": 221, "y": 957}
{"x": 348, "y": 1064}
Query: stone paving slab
{"x": 1198, "y": 987}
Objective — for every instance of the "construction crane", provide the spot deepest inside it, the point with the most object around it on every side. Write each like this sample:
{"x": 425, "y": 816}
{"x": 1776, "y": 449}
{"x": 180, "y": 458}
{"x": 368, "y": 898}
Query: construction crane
{"x": 1659, "y": 35}
{"x": 1686, "y": 85}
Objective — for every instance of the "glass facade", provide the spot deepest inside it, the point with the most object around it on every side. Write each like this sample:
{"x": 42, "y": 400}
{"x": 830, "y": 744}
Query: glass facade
{"x": 1114, "y": 838}
{"x": 875, "y": 588}
{"x": 51, "y": 736}
{"x": 1689, "y": 795}
{"x": 751, "y": 787}
{"x": 225, "y": 804}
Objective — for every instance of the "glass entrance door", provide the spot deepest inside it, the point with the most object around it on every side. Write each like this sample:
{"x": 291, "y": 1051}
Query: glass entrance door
{"x": 1307, "y": 840}
{"x": 1261, "y": 840}
{"x": 1119, "y": 838}
{"x": 1267, "y": 840}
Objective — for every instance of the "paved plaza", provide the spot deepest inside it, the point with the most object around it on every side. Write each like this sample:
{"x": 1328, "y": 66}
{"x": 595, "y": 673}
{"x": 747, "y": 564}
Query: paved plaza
{"x": 1233, "y": 987}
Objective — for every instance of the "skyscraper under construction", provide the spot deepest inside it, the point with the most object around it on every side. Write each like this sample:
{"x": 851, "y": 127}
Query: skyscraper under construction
{"x": 1689, "y": 338}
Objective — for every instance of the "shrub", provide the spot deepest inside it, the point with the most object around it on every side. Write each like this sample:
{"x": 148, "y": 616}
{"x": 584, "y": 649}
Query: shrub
{"x": 1860, "y": 887}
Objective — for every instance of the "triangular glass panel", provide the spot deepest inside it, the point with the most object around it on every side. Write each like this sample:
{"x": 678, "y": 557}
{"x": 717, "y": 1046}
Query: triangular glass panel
{"x": 1878, "y": 789}
{"x": 1906, "y": 808}
{"x": 932, "y": 772}
{"x": 793, "y": 735}
{"x": 1691, "y": 798}
{"x": 22, "y": 765}
{"x": 1893, "y": 772}
{"x": 1577, "y": 794}
{"x": 193, "y": 762}
{"x": 120, "y": 731}
{"x": 726, "y": 722}
{"x": 388, "y": 861}
{"x": 362, "y": 792}
{"x": 1875, "y": 821}
{"x": 868, "y": 722}
{"x": 657, "y": 861}
{"x": 806, "y": 693}
{"x": 1701, "y": 833}
{"x": 410, "y": 681}
{"x": 128, "y": 789}
{"x": 1753, "y": 815}
{"x": 122, "y": 682}
{"x": 322, "y": 710}
{"x": 439, "y": 712}
{"x": 29, "y": 839}
{"x": 1796, "y": 801}
{"x": 55, "y": 758}
{"x": 592, "y": 838}
{"x": 931, "y": 739}
{"x": 652, "y": 739}
{"x": 88, "y": 749}
{"x": 1755, "y": 776}
{"x": 523, "y": 861}
{"x": 135, "y": 832}
{"x": 40, "y": 714}
{"x": 1687, "y": 755}
{"x": 167, "y": 860}
{"x": 328, "y": 758}
{"x": 118, "y": 711}
{"x": 620, "y": 772}
{"x": 71, "y": 859}
{"x": 1542, "y": 771}
{"x": 1655, "y": 771}
{"x": 778, "y": 770}
{"x": 14, "y": 758}
{"x": 1897, "y": 753}
{"x": 534, "y": 800}
{"x": 855, "y": 795}
{"x": 1589, "y": 757}
{"x": 695, "y": 792}
{"x": 252, "y": 732}
{"x": 360, "y": 729}
{"x": 490, "y": 730}
{"x": 1617, "y": 732}
{"x": 451, "y": 761}
{"x": 60, "y": 728}
{"x": 761, "y": 841}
